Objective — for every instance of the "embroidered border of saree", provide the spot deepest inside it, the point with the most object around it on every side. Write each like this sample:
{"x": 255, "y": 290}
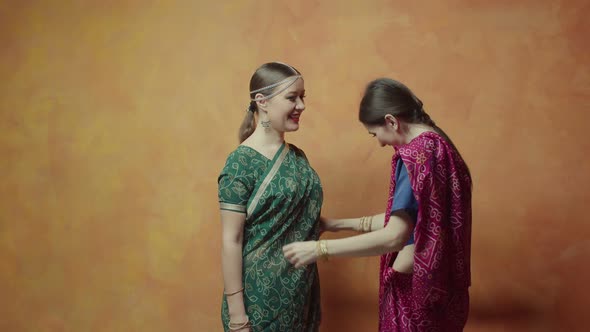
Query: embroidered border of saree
{"x": 277, "y": 162}
{"x": 232, "y": 207}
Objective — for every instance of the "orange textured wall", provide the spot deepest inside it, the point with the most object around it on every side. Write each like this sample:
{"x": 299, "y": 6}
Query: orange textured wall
{"x": 116, "y": 117}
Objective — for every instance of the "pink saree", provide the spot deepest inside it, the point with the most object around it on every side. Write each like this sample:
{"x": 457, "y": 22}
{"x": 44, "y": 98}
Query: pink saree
{"x": 435, "y": 296}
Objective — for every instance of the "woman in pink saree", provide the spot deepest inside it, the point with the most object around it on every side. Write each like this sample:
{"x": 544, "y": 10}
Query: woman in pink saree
{"x": 424, "y": 236}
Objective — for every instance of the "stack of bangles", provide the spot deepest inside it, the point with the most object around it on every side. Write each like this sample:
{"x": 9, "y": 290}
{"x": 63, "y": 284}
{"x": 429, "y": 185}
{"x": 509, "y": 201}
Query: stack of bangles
{"x": 322, "y": 249}
{"x": 238, "y": 326}
{"x": 365, "y": 224}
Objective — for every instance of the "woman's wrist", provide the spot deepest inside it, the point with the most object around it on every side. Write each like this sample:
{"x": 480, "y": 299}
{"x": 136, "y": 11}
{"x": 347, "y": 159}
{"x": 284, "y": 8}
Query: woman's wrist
{"x": 322, "y": 250}
{"x": 236, "y": 307}
{"x": 238, "y": 323}
{"x": 365, "y": 224}
{"x": 238, "y": 316}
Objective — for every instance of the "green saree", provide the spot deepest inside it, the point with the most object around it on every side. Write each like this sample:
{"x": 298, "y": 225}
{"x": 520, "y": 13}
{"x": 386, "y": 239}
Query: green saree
{"x": 282, "y": 199}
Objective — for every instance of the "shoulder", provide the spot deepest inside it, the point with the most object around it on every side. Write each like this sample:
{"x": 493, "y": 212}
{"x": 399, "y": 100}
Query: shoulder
{"x": 297, "y": 151}
{"x": 239, "y": 163}
{"x": 241, "y": 154}
{"x": 244, "y": 158}
{"x": 427, "y": 146}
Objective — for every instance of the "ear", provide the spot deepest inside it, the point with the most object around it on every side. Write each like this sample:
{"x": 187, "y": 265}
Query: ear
{"x": 259, "y": 101}
{"x": 391, "y": 121}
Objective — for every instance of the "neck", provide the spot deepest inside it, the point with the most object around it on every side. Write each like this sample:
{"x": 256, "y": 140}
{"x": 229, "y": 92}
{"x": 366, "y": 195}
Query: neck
{"x": 416, "y": 129}
{"x": 268, "y": 136}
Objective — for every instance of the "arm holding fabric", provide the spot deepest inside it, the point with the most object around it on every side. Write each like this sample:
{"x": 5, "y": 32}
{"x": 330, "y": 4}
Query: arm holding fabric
{"x": 390, "y": 238}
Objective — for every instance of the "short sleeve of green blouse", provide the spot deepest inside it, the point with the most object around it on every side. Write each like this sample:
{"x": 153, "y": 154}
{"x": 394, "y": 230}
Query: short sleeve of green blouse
{"x": 235, "y": 183}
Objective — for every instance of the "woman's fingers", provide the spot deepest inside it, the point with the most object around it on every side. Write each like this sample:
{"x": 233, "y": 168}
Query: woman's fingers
{"x": 298, "y": 254}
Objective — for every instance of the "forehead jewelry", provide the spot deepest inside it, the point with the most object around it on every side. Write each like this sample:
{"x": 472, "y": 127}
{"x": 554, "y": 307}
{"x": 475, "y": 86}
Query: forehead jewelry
{"x": 289, "y": 80}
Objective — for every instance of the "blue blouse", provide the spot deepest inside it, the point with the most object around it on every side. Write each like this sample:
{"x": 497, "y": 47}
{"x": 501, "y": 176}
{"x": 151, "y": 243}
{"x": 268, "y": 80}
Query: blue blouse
{"x": 403, "y": 197}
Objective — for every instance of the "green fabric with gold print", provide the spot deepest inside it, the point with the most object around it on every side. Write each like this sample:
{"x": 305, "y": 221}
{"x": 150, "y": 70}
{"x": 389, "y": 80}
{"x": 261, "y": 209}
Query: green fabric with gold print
{"x": 282, "y": 199}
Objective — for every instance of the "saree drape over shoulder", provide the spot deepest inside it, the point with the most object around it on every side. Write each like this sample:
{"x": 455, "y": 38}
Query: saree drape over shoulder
{"x": 435, "y": 296}
{"x": 282, "y": 200}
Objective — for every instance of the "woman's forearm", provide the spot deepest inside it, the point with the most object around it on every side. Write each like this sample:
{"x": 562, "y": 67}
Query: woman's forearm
{"x": 231, "y": 261}
{"x": 336, "y": 225}
{"x": 370, "y": 244}
{"x": 378, "y": 222}
{"x": 354, "y": 224}
{"x": 390, "y": 238}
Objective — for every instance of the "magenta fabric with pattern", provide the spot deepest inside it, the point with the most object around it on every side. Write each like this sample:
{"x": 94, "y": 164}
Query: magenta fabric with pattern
{"x": 435, "y": 296}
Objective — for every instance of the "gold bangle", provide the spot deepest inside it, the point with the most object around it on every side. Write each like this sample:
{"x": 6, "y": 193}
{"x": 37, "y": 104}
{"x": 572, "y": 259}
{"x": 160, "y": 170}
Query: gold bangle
{"x": 323, "y": 249}
{"x": 239, "y": 326}
{"x": 318, "y": 249}
{"x": 234, "y": 293}
{"x": 369, "y": 224}
{"x": 365, "y": 224}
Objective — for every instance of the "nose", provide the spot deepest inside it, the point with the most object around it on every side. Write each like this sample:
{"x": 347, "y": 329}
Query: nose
{"x": 300, "y": 104}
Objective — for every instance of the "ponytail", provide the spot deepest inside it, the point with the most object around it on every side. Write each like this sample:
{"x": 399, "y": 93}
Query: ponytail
{"x": 248, "y": 124}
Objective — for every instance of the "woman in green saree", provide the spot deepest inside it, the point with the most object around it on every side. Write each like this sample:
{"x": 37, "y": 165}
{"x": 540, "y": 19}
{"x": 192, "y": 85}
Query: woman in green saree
{"x": 269, "y": 196}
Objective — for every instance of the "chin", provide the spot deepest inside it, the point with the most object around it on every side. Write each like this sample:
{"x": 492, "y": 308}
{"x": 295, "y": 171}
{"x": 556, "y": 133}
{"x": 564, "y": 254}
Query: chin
{"x": 291, "y": 127}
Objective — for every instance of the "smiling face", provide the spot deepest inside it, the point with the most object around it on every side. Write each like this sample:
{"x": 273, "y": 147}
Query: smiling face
{"x": 284, "y": 110}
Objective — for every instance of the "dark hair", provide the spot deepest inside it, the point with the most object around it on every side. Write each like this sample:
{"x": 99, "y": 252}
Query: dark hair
{"x": 386, "y": 96}
{"x": 267, "y": 74}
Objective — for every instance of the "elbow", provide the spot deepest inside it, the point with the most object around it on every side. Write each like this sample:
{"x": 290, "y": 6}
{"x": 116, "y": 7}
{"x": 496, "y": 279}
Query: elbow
{"x": 234, "y": 239}
{"x": 231, "y": 247}
{"x": 397, "y": 242}
{"x": 393, "y": 246}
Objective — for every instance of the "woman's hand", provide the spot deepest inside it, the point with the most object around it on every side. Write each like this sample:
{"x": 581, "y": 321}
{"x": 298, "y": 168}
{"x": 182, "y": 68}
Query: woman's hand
{"x": 301, "y": 253}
